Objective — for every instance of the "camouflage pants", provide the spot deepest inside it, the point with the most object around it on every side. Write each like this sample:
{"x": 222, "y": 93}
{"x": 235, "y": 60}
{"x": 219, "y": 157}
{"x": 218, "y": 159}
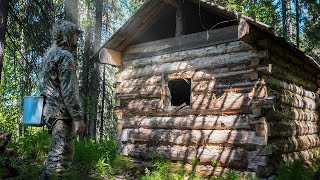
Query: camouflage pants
{"x": 61, "y": 148}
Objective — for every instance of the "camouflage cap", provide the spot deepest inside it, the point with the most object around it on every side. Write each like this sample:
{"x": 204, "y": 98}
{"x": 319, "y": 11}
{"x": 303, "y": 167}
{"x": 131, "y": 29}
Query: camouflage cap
{"x": 63, "y": 29}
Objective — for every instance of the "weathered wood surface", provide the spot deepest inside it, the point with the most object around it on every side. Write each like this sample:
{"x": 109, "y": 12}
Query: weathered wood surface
{"x": 142, "y": 105}
{"x": 187, "y": 65}
{"x": 275, "y": 83}
{"x": 225, "y": 101}
{"x": 252, "y": 35}
{"x": 199, "y": 170}
{"x": 206, "y": 74}
{"x": 290, "y": 113}
{"x": 185, "y": 111}
{"x": 290, "y": 57}
{"x": 179, "y": 19}
{"x": 190, "y": 122}
{"x": 184, "y": 42}
{"x": 192, "y": 137}
{"x": 153, "y": 87}
{"x": 297, "y": 143}
{"x": 227, "y": 157}
{"x": 288, "y": 76}
{"x": 144, "y": 81}
{"x": 153, "y": 90}
{"x": 257, "y": 88}
{"x": 292, "y": 128}
{"x": 295, "y": 100}
{"x": 307, "y": 155}
{"x": 219, "y": 49}
{"x": 208, "y": 170}
{"x": 109, "y": 56}
{"x": 289, "y": 66}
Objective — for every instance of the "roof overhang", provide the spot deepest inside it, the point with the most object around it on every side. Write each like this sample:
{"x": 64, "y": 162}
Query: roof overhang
{"x": 151, "y": 10}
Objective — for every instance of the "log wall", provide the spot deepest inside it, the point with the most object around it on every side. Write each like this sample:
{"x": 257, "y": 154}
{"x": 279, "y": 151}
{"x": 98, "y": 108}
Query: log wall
{"x": 293, "y": 120}
{"x": 221, "y": 128}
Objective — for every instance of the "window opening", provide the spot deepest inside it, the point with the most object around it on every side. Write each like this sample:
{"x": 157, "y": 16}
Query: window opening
{"x": 180, "y": 90}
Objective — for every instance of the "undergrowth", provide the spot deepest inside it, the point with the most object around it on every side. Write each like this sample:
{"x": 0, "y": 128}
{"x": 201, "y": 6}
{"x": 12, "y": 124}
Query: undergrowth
{"x": 99, "y": 160}
{"x": 92, "y": 159}
{"x": 297, "y": 170}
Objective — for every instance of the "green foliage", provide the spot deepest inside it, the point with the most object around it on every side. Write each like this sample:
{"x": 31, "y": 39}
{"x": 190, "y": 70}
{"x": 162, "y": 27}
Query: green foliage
{"x": 297, "y": 170}
{"x": 162, "y": 170}
{"x": 31, "y": 152}
{"x": 91, "y": 158}
{"x": 235, "y": 175}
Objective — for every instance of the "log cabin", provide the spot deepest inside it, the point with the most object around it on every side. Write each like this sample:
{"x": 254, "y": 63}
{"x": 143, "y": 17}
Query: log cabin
{"x": 199, "y": 82}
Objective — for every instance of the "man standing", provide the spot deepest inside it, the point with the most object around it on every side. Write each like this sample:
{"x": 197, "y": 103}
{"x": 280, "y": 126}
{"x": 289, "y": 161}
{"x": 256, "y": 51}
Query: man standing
{"x": 62, "y": 111}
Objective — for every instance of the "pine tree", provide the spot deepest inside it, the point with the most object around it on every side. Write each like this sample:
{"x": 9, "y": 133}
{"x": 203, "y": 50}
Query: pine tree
{"x": 3, "y": 28}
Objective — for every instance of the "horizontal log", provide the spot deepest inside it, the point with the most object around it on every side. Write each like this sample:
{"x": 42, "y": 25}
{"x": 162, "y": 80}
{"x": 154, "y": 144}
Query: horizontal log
{"x": 287, "y": 56}
{"x": 199, "y": 170}
{"x": 191, "y": 137}
{"x": 145, "y": 81}
{"x": 111, "y": 57}
{"x": 219, "y": 49}
{"x": 294, "y": 100}
{"x": 143, "y": 105}
{"x": 214, "y": 171}
{"x": 227, "y": 157}
{"x": 190, "y": 122}
{"x": 275, "y": 83}
{"x": 182, "y": 43}
{"x": 185, "y": 112}
{"x": 306, "y": 155}
{"x": 225, "y": 101}
{"x": 291, "y": 144}
{"x": 215, "y": 73}
{"x": 153, "y": 90}
{"x": 207, "y": 74}
{"x": 292, "y": 128}
{"x": 256, "y": 88}
{"x": 128, "y": 96}
{"x": 286, "y": 75}
{"x": 290, "y": 113}
{"x": 297, "y": 69}
{"x": 197, "y": 63}
{"x": 207, "y": 104}
{"x": 262, "y": 39}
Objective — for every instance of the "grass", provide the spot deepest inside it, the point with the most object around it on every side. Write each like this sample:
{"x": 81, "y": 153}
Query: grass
{"x": 100, "y": 160}
{"x": 91, "y": 158}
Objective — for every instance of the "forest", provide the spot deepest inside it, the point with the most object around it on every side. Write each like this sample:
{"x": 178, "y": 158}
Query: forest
{"x": 25, "y": 35}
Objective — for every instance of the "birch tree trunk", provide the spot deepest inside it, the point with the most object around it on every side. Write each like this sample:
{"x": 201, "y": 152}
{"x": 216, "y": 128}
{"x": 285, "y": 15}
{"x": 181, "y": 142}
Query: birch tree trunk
{"x": 3, "y": 28}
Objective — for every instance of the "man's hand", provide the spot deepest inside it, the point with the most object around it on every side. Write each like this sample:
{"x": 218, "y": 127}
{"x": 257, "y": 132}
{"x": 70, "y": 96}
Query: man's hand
{"x": 79, "y": 127}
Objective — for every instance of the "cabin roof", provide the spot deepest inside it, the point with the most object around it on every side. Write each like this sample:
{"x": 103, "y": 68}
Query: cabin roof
{"x": 146, "y": 14}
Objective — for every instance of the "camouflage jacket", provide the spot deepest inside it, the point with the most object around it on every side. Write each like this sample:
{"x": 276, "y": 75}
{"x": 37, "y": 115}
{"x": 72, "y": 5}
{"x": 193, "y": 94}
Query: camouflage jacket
{"x": 60, "y": 86}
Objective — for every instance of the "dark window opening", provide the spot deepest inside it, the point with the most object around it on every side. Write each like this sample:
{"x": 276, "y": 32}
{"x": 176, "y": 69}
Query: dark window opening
{"x": 180, "y": 91}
